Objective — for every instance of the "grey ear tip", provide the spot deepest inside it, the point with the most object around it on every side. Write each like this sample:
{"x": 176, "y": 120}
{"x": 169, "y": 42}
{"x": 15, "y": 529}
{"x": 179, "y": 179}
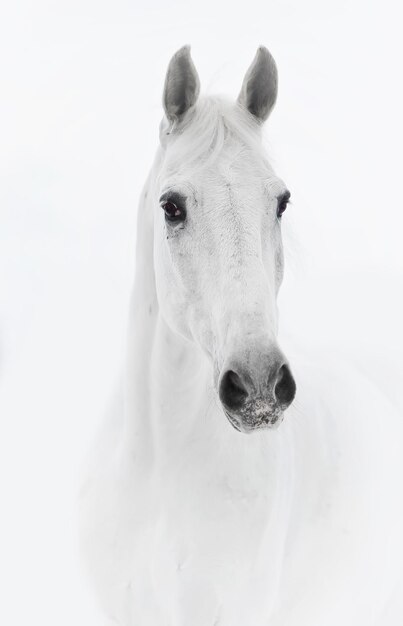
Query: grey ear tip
{"x": 265, "y": 52}
{"x": 184, "y": 51}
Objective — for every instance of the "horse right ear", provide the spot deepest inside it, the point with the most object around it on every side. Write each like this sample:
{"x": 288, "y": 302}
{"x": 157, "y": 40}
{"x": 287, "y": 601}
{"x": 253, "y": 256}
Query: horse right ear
{"x": 259, "y": 89}
{"x": 182, "y": 85}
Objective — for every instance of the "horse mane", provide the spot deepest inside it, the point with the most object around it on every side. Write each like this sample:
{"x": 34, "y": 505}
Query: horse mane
{"x": 215, "y": 127}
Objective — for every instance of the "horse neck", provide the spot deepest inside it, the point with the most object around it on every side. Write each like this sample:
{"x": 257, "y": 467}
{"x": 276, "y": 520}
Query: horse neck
{"x": 168, "y": 379}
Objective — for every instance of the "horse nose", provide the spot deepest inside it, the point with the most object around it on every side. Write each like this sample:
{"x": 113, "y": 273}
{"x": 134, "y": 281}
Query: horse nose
{"x": 233, "y": 391}
{"x": 255, "y": 397}
{"x": 285, "y": 387}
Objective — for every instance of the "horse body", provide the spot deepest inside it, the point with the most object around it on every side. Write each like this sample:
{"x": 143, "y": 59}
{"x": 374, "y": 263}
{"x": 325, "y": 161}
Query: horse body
{"x": 187, "y": 520}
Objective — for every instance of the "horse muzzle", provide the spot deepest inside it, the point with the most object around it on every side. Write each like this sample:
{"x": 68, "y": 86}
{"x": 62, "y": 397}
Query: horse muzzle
{"x": 255, "y": 390}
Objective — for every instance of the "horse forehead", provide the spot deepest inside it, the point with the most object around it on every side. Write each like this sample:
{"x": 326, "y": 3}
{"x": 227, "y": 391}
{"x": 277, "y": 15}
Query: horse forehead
{"x": 239, "y": 166}
{"x": 233, "y": 186}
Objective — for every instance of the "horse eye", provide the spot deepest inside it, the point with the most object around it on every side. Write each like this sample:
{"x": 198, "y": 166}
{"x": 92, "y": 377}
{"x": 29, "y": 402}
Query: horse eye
{"x": 282, "y": 203}
{"x": 173, "y": 212}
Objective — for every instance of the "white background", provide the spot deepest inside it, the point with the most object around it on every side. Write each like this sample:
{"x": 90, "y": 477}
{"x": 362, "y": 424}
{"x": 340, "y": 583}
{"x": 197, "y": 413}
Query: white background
{"x": 80, "y": 86}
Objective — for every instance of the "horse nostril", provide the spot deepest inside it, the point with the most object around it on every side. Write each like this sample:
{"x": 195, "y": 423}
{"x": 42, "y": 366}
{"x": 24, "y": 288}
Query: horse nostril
{"x": 233, "y": 392}
{"x": 285, "y": 386}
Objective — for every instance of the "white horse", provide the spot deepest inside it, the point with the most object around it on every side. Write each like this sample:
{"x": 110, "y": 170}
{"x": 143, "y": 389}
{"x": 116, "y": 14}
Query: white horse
{"x": 203, "y": 507}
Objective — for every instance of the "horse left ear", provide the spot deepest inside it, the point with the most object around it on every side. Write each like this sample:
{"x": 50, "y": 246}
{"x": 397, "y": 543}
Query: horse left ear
{"x": 259, "y": 89}
{"x": 182, "y": 85}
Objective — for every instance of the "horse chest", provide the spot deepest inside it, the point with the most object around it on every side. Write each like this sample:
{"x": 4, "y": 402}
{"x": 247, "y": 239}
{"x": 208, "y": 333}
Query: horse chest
{"x": 204, "y": 553}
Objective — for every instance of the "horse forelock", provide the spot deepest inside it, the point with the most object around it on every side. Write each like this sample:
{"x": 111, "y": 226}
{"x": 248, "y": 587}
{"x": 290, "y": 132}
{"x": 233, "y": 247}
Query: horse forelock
{"x": 216, "y": 132}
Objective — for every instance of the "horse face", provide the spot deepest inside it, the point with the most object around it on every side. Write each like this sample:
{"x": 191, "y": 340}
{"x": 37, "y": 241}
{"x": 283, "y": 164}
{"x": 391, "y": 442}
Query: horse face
{"x": 218, "y": 249}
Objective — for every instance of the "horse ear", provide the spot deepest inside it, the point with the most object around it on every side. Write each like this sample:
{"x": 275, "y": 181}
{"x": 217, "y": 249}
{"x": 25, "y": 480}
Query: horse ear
{"x": 259, "y": 89}
{"x": 182, "y": 85}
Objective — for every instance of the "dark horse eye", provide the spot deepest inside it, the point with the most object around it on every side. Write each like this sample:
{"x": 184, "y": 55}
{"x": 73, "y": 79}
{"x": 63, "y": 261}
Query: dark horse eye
{"x": 282, "y": 203}
{"x": 173, "y": 212}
